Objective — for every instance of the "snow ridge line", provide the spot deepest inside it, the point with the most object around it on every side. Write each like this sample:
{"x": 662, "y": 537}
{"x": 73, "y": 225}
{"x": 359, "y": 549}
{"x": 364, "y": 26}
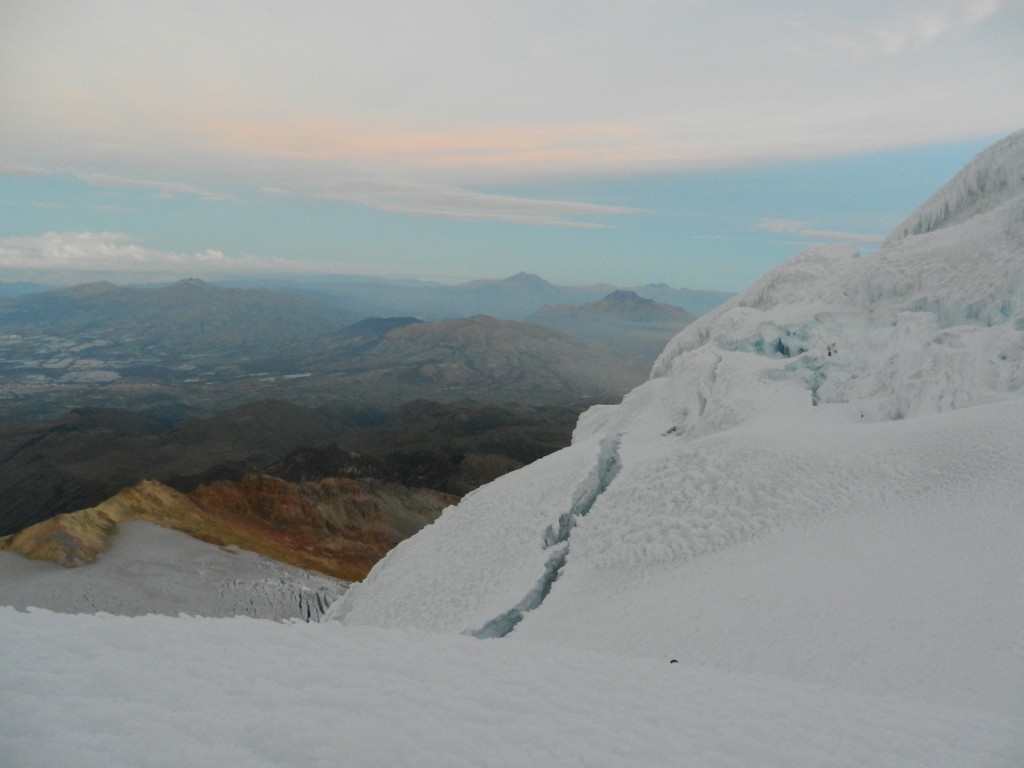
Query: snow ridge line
{"x": 556, "y": 539}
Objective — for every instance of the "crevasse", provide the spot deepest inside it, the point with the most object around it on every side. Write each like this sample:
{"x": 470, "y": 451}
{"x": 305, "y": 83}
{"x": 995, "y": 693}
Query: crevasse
{"x": 556, "y": 541}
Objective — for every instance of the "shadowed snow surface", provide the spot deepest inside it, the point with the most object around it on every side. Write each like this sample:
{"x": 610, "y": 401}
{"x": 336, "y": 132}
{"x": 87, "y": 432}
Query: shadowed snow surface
{"x": 110, "y": 692}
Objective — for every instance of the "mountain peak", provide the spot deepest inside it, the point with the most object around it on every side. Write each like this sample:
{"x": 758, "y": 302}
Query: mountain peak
{"x": 628, "y": 305}
{"x": 526, "y": 280}
{"x": 189, "y": 284}
{"x": 622, "y": 296}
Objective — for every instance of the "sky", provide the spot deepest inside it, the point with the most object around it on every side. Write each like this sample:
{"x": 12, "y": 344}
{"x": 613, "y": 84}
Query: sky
{"x": 680, "y": 141}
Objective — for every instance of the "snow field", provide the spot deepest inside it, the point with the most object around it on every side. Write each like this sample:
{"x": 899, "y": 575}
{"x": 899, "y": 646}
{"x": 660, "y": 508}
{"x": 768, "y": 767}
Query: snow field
{"x": 149, "y": 569}
{"x": 481, "y": 539}
{"x": 98, "y": 691}
{"x": 887, "y": 560}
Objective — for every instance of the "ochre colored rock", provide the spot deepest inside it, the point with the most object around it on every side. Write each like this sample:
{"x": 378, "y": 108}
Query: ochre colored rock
{"x": 338, "y": 526}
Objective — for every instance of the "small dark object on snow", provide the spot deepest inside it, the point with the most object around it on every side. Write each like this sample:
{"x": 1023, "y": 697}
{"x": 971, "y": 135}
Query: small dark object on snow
{"x": 673, "y": 661}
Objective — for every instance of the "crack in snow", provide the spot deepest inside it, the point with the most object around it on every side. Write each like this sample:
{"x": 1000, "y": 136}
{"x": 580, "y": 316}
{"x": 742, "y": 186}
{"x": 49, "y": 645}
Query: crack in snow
{"x": 556, "y": 539}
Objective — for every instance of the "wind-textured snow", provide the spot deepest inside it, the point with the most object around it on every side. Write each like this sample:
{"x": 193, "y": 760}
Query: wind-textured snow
{"x": 814, "y": 507}
{"x": 101, "y": 691}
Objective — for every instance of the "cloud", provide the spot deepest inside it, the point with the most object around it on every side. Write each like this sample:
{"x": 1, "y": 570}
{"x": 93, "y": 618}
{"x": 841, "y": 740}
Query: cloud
{"x": 18, "y": 169}
{"x": 73, "y": 255}
{"x": 162, "y": 188}
{"x": 916, "y": 26}
{"x": 110, "y": 251}
{"x": 80, "y": 250}
{"x": 568, "y": 145}
{"x": 974, "y": 11}
{"x": 456, "y": 203}
{"x": 392, "y": 193}
{"x": 803, "y": 229}
{"x": 479, "y": 94}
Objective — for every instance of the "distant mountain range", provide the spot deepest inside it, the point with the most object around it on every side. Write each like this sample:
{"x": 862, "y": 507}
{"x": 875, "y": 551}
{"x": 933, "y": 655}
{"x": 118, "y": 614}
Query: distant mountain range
{"x": 191, "y": 348}
{"x": 512, "y": 298}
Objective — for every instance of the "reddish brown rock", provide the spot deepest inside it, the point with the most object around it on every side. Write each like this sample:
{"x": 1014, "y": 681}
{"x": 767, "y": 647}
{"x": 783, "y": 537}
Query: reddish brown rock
{"x": 338, "y": 526}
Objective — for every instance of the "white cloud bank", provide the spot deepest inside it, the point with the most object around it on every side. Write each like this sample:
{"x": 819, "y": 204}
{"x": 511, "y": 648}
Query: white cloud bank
{"x": 116, "y": 252}
{"x": 501, "y": 89}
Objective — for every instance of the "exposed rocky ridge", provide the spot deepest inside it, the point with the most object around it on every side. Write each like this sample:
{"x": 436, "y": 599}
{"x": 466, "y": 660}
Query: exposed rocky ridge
{"x": 338, "y": 526}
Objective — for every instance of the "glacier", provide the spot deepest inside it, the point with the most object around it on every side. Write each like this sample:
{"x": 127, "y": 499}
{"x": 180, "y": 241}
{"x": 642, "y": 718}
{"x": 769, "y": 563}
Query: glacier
{"x": 821, "y": 481}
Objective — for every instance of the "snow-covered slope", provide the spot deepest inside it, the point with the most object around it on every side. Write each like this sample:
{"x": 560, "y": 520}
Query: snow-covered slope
{"x": 160, "y": 692}
{"x": 149, "y": 569}
{"x": 991, "y": 179}
{"x": 821, "y": 481}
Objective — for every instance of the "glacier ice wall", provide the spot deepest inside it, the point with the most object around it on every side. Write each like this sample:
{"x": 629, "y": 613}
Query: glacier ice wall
{"x": 993, "y": 177}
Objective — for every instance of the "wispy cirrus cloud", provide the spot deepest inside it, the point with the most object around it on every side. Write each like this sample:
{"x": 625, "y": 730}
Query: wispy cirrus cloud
{"x": 162, "y": 188}
{"x": 18, "y": 169}
{"x": 456, "y": 203}
{"x": 803, "y": 229}
{"x": 915, "y": 25}
{"x": 393, "y": 193}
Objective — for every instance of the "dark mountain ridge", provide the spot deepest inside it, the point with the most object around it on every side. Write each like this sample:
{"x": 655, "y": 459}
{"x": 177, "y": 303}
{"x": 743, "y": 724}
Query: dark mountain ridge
{"x": 76, "y": 461}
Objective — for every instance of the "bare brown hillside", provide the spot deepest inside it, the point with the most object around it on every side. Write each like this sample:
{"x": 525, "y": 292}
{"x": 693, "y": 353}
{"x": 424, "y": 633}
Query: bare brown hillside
{"x": 338, "y": 526}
